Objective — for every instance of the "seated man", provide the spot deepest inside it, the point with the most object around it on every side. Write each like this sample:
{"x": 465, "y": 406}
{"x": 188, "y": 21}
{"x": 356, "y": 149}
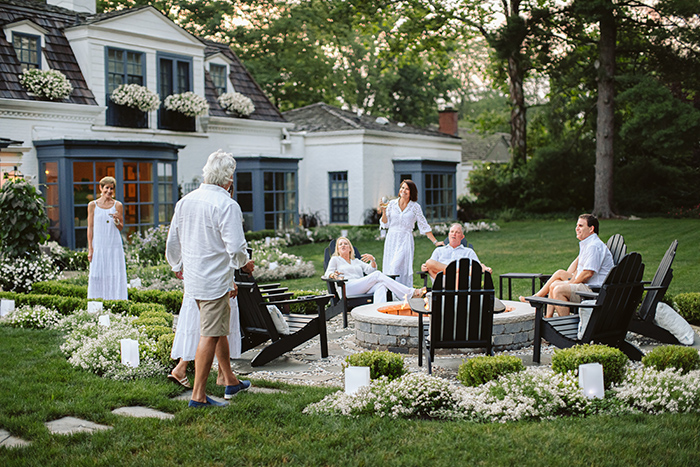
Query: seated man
{"x": 454, "y": 250}
{"x": 589, "y": 269}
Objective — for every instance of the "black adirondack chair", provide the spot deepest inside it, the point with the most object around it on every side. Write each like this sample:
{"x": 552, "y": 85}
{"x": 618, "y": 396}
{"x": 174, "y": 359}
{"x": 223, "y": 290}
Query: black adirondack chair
{"x": 461, "y": 315}
{"x": 612, "y": 312}
{"x": 341, "y": 303}
{"x": 643, "y": 321}
{"x": 257, "y": 325}
{"x": 617, "y": 247}
{"x": 424, "y": 274}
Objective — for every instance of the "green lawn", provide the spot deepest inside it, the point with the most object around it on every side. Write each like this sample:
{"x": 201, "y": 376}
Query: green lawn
{"x": 38, "y": 385}
{"x": 545, "y": 246}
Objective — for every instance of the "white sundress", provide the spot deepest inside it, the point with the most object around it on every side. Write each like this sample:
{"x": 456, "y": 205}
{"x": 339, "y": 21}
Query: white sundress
{"x": 398, "y": 245}
{"x": 107, "y": 278}
{"x": 188, "y": 326}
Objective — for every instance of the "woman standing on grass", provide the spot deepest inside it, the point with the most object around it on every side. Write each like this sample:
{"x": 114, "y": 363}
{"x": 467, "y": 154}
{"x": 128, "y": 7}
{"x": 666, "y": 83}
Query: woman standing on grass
{"x": 107, "y": 278}
{"x": 400, "y": 217}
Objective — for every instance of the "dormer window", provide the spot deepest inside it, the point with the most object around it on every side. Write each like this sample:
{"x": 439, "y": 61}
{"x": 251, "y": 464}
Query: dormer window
{"x": 28, "y": 50}
{"x": 219, "y": 77}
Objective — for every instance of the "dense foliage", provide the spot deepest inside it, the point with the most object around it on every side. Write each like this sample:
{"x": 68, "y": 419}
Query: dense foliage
{"x": 23, "y": 220}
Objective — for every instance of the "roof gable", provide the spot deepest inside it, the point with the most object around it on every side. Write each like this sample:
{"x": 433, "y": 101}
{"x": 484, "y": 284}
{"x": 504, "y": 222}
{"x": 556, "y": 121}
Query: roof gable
{"x": 133, "y": 20}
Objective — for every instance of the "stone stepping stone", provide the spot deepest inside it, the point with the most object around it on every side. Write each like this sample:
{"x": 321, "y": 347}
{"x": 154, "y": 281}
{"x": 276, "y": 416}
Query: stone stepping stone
{"x": 142, "y": 412}
{"x": 70, "y": 425}
{"x": 9, "y": 441}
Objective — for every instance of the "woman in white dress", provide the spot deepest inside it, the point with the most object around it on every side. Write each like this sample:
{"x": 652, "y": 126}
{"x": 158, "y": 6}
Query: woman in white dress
{"x": 107, "y": 278}
{"x": 400, "y": 217}
{"x": 187, "y": 338}
{"x": 344, "y": 265}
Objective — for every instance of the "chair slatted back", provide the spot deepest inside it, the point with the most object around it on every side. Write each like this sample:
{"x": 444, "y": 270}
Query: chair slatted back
{"x": 251, "y": 313}
{"x": 616, "y": 245}
{"x": 662, "y": 278}
{"x": 462, "y": 310}
{"x": 619, "y": 296}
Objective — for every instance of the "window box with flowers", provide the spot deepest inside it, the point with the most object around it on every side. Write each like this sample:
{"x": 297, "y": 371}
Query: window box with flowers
{"x": 46, "y": 84}
{"x": 129, "y": 105}
{"x": 180, "y": 110}
{"x": 237, "y": 104}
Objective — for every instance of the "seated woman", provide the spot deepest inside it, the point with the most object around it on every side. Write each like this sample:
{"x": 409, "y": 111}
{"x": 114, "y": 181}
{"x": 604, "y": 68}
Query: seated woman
{"x": 344, "y": 265}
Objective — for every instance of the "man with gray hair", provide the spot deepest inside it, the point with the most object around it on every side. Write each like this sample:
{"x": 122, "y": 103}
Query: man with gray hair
{"x": 205, "y": 246}
{"x": 454, "y": 250}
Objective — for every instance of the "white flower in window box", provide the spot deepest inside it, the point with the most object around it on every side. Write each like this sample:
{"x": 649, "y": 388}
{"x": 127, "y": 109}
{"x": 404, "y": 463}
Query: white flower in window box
{"x": 50, "y": 84}
{"x": 136, "y": 96}
{"x": 236, "y": 103}
{"x": 188, "y": 104}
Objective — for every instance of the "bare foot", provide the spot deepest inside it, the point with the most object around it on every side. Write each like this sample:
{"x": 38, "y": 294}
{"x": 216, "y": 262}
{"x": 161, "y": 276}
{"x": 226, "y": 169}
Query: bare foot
{"x": 417, "y": 293}
{"x": 522, "y": 299}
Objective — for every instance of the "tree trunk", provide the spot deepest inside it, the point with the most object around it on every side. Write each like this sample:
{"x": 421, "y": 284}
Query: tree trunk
{"x": 518, "y": 115}
{"x": 605, "y": 131}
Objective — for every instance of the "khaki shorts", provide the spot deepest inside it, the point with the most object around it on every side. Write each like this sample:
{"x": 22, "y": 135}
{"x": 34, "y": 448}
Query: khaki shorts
{"x": 214, "y": 317}
{"x": 576, "y": 298}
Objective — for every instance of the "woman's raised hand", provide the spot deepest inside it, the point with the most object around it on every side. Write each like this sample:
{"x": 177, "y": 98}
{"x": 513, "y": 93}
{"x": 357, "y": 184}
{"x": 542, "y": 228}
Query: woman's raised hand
{"x": 367, "y": 258}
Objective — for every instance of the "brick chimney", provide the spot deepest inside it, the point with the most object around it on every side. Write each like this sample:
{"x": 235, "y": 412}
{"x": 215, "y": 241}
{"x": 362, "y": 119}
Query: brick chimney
{"x": 448, "y": 122}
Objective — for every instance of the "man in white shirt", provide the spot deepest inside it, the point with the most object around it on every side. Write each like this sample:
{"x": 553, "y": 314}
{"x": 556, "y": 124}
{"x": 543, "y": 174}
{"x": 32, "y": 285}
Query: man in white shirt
{"x": 589, "y": 269}
{"x": 454, "y": 250}
{"x": 205, "y": 245}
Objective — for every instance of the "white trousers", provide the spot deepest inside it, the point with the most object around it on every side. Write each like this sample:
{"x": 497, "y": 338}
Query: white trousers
{"x": 377, "y": 284}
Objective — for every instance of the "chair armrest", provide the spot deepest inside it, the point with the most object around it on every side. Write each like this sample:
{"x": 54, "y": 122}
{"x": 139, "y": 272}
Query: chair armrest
{"x": 393, "y": 276}
{"x": 418, "y": 305}
{"x": 587, "y": 294}
{"x": 655, "y": 287}
{"x": 272, "y": 291}
{"x": 269, "y": 286}
{"x": 549, "y": 301}
{"x": 321, "y": 300}
{"x": 276, "y": 298}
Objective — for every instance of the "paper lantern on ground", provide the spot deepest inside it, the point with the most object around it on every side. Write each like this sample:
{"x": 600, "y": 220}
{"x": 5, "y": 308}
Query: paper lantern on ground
{"x": 135, "y": 283}
{"x": 6, "y": 306}
{"x": 94, "y": 307}
{"x": 130, "y": 352}
{"x": 355, "y": 378}
{"x": 590, "y": 379}
{"x": 104, "y": 320}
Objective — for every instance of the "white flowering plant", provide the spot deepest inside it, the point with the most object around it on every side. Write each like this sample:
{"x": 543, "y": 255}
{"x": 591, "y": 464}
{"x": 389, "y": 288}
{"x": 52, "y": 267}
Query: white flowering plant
{"x": 188, "y": 104}
{"x": 136, "y": 96}
{"x": 17, "y": 274}
{"x": 237, "y": 103}
{"x": 147, "y": 248}
{"x": 272, "y": 264}
{"x": 97, "y": 348}
{"x": 32, "y": 317}
{"x": 533, "y": 394}
{"x": 51, "y": 84}
{"x": 444, "y": 229}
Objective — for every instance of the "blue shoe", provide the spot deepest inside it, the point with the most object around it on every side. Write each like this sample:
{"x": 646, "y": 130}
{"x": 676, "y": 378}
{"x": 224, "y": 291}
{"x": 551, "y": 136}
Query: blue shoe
{"x": 235, "y": 389}
{"x": 209, "y": 403}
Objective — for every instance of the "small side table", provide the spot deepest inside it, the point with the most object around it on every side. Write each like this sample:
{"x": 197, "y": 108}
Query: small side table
{"x": 516, "y": 275}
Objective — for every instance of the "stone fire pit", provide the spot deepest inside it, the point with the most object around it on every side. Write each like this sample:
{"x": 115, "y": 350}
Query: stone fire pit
{"x": 381, "y": 331}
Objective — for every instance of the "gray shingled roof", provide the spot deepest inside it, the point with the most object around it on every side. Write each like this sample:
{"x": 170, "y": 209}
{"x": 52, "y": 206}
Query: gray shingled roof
{"x": 59, "y": 56}
{"x": 242, "y": 82}
{"x": 321, "y": 117}
{"x": 489, "y": 148}
{"x": 57, "y": 50}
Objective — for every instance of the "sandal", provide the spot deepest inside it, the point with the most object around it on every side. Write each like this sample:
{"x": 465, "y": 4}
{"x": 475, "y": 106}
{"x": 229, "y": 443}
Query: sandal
{"x": 184, "y": 382}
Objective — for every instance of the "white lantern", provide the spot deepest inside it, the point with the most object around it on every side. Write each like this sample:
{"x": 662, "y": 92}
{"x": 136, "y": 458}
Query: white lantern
{"x": 104, "y": 320}
{"x": 590, "y": 379}
{"x": 130, "y": 352}
{"x": 94, "y": 307}
{"x": 344, "y": 233}
{"x": 6, "y": 306}
{"x": 355, "y": 378}
{"x": 135, "y": 283}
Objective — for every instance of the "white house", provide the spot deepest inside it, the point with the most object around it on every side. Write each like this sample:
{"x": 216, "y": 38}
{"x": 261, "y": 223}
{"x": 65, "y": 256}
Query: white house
{"x": 348, "y": 162}
{"x": 67, "y": 146}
